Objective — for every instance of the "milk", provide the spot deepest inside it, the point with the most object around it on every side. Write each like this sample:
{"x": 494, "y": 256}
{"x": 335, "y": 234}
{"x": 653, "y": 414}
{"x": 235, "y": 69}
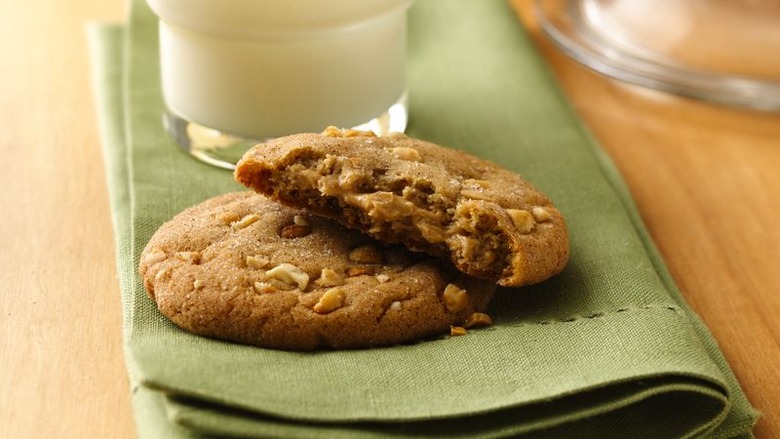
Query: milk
{"x": 266, "y": 68}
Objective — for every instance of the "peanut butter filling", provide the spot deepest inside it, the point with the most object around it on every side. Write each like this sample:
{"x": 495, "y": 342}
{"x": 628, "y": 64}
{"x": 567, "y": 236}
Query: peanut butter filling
{"x": 411, "y": 211}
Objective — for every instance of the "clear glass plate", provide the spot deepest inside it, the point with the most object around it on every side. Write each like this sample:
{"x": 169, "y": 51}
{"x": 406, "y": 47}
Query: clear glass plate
{"x": 722, "y": 51}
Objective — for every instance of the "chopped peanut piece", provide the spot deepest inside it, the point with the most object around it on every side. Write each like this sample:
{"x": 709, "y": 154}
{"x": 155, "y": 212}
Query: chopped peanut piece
{"x": 365, "y": 254}
{"x": 434, "y": 233}
{"x": 406, "y": 153}
{"x": 541, "y": 214}
{"x": 191, "y": 257}
{"x": 359, "y": 271}
{"x": 476, "y": 194}
{"x": 331, "y": 131}
{"x": 332, "y": 300}
{"x": 457, "y": 330}
{"x": 198, "y": 284}
{"x": 359, "y": 133}
{"x": 229, "y": 218}
{"x": 293, "y": 231}
{"x": 330, "y": 278}
{"x": 522, "y": 219}
{"x": 395, "y": 306}
{"x": 155, "y": 256}
{"x": 289, "y": 274}
{"x": 455, "y": 298}
{"x": 246, "y": 221}
{"x": 382, "y": 278}
{"x": 256, "y": 261}
{"x": 478, "y": 319}
{"x": 484, "y": 184}
{"x": 162, "y": 273}
{"x": 264, "y": 288}
{"x": 300, "y": 220}
{"x": 475, "y": 189}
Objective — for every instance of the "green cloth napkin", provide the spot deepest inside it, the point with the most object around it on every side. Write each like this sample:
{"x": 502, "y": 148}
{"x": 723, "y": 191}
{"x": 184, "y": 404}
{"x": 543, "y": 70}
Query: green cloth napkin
{"x": 607, "y": 349}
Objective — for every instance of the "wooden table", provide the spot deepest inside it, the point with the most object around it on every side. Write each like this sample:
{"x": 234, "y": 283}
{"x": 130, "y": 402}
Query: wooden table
{"x": 706, "y": 180}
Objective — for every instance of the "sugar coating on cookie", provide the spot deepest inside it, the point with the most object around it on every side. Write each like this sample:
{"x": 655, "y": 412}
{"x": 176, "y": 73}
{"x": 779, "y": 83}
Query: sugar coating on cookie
{"x": 243, "y": 268}
{"x": 487, "y": 220}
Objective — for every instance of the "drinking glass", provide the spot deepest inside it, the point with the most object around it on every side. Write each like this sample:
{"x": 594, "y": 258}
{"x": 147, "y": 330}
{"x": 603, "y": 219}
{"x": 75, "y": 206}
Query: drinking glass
{"x": 236, "y": 72}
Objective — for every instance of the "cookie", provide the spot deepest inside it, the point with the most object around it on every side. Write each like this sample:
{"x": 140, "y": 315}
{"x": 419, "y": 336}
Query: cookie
{"x": 243, "y": 268}
{"x": 487, "y": 220}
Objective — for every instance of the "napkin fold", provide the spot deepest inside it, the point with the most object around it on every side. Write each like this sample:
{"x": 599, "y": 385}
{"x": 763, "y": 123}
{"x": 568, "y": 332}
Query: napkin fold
{"x": 606, "y": 349}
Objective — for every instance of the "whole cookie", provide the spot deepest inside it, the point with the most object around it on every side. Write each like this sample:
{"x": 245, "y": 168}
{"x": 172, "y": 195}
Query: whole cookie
{"x": 240, "y": 267}
{"x": 487, "y": 220}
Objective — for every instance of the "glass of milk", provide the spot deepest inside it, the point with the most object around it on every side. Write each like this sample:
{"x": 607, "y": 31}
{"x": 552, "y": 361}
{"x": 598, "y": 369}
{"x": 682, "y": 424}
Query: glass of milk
{"x": 235, "y": 72}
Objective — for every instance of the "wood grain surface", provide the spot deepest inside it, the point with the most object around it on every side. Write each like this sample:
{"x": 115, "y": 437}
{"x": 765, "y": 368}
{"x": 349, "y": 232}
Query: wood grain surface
{"x": 62, "y": 372}
{"x": 706, "y": 180}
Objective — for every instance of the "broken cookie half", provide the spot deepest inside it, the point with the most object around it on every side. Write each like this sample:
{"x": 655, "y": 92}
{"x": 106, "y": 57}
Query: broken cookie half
{"x": 487, "y": 220}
